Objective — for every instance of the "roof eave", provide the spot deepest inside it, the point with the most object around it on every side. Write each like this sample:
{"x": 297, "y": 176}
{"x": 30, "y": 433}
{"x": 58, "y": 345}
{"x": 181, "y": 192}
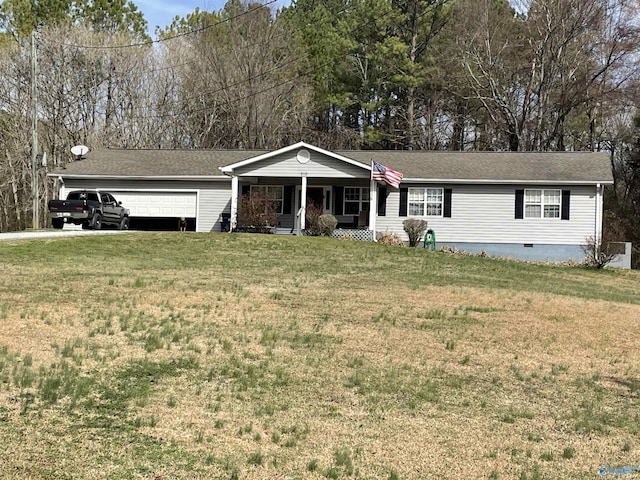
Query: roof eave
{"x": 141, "y": 177}
{"x": 404, "y": 180}
{"x": 507, "y": 181}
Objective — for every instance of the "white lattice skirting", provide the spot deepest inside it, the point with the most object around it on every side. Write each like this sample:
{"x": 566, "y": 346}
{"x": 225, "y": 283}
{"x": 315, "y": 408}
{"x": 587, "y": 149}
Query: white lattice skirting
{"x": 353, "y": 234}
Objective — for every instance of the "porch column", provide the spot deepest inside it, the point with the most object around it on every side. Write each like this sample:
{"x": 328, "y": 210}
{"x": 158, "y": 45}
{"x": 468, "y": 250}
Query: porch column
{"x": 234, "y": 203}
{"x": 373, "y": 206}
{"x": 303, "y": 203}
{"x": 598, "y": 229}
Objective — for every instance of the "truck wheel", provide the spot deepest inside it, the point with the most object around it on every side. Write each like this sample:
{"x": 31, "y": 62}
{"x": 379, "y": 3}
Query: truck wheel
{"x": 124, "y": 223}
{"x": 57, "y": 223}
{"x": 96, "y": 223}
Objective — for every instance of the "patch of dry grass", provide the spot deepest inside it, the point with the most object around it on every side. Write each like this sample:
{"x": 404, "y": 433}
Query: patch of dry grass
{"x": 224, "y": 356}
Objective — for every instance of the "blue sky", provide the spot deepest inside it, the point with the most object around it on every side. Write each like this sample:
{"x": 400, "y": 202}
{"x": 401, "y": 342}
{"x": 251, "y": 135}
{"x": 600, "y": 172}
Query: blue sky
{"x": 162, "y": 12}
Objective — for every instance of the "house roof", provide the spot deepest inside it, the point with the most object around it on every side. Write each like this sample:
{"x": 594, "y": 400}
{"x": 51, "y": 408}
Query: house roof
{"x": 483, "y": 167}
{"x": 155, "y": 163}
{"x": 569, "y": 167}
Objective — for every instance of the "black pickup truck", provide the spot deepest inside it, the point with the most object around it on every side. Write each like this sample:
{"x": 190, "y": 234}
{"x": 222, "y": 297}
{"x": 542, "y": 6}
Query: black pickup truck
{"x": 89, "y": 208}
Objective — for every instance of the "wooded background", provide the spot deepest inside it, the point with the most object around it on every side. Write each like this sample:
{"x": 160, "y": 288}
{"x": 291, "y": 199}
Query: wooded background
{"x": 530, "y": 75}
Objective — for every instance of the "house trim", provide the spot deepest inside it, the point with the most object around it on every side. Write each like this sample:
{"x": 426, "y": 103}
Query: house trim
{"x": 504, "y": 182}
{"x": 190, "y": 178}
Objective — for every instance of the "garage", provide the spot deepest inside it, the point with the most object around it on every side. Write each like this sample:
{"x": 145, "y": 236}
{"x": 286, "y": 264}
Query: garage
{"x": 159, "y": 210}
{"x": 159, "y": 204}
{"x": 158, "y": 186}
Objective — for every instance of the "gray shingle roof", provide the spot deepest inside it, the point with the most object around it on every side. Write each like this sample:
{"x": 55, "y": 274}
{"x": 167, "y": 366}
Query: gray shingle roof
{"x": 156, "y": 163}
{"x": 498, "y": 166}
{"x": 568, "y": 167}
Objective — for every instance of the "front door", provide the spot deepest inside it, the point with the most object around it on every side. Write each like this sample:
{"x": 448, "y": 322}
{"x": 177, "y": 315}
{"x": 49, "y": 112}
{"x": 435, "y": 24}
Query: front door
{"x": 319, "y": 197}
{"x": 315, "y": 197}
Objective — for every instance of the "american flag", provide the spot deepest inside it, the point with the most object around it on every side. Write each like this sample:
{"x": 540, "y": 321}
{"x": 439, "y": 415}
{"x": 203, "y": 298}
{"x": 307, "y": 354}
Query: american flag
{"x": 385, "y": 174}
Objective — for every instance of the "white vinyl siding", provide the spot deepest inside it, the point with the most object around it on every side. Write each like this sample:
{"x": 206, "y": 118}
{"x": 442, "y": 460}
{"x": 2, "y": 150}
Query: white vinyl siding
{"x": 540, "y": 203}
{"x": 213, "y": 202}
{"x": 286, "y": 165}
{"x": 426, "y": 202}
{"x": 485, "y": 214}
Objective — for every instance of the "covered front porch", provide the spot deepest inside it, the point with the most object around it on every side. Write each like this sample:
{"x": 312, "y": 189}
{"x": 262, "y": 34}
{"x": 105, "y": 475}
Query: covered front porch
{"x": 302, "y": 180}
{"x": 296, "y": 204}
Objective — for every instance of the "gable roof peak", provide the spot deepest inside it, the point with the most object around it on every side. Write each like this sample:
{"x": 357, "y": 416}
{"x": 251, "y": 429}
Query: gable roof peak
{"x": 228, "y": 169}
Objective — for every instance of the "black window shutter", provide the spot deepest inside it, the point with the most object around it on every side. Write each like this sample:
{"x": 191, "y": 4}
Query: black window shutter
{"x": 246, "y": 189}
{"x": 404, "y": 200}
{"x": 566, "y": 196}
{"x": 382, "y": 201}
{"x": 337, "y": 197}
{"x": 287, "y": 204}
{"x": 519, "y": 203}
{"x": 447, "y": 203}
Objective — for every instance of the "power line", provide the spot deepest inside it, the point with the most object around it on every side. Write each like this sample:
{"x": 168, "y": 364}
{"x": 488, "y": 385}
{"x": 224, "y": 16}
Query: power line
{"x": 144, "y": 73}
{"x": 198, "y": 97}
{"x": 179, "y": 102}
{"x": 228, "y": 102}
{"x": 172, "y": 37}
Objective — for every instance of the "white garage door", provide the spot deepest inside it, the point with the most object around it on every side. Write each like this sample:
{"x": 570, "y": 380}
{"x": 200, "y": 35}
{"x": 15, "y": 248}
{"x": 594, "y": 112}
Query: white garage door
{"x": 158, "y": 204}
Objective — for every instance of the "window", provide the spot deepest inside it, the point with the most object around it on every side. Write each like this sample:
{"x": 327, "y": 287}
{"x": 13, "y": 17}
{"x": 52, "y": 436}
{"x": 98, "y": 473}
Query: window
{"x": 426, "y": 202}
{"x": 274, "y": 192}
{"x": 356, "y": 199}
{"x": 90, "y": 196}
{"x": 542, "y": 203}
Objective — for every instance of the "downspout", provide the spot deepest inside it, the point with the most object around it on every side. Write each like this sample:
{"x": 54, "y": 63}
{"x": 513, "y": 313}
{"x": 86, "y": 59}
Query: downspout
{"x": 598, "y": 226}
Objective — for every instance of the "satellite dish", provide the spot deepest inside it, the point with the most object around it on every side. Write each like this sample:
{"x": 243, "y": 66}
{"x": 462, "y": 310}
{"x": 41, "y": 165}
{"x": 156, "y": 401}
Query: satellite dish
{"x": 79, "y": 151}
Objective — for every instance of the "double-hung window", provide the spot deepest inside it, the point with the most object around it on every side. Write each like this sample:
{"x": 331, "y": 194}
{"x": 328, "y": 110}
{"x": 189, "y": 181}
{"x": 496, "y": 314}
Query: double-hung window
{"x": 274, "y": 192}
{"x": 426, "y": 202}
{"x": 356, "y": 199}
{"x": 542, "y": 203}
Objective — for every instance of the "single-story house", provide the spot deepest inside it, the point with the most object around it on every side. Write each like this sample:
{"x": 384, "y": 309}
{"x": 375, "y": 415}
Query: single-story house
{"x": 535, "y": 206}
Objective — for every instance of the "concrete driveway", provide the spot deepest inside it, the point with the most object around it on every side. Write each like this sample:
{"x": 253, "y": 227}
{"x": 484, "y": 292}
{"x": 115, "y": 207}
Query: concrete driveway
{"x": 72, "y": 232}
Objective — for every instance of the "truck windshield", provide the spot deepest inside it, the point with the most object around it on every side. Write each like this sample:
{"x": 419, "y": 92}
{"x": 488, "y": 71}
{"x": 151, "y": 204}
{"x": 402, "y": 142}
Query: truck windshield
{"x": 91, "y": 196}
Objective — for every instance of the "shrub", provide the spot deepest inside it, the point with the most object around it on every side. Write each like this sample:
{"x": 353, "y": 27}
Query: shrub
{"x": 312, "y": 214}
{"x": 257, "y": 211}
{"x": 596, "y": 256}
{"x": 392, "y": 239}
{"x": 326, "y": 224}
{"x": 415, "y": 230}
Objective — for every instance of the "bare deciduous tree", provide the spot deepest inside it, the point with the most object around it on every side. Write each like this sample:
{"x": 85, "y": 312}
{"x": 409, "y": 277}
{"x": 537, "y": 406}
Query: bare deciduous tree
{"x": 536, "y": 72}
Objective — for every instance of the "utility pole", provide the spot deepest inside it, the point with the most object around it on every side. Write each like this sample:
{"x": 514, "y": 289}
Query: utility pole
{"x": 35, "y": 181}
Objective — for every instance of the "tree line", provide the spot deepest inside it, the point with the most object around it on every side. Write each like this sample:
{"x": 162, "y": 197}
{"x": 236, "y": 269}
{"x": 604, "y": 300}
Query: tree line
{"x": 524, "y": 75}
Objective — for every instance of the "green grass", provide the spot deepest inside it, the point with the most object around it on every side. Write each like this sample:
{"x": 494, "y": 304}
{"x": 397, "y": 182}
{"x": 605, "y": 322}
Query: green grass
{"x": 253, "y": 356}
{"x": 199, "y": 253}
